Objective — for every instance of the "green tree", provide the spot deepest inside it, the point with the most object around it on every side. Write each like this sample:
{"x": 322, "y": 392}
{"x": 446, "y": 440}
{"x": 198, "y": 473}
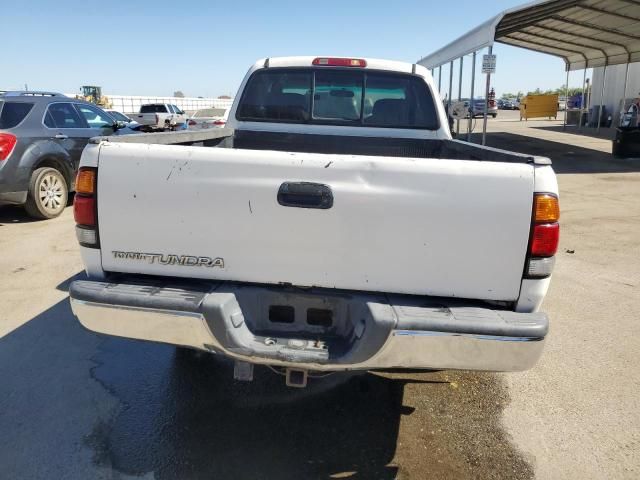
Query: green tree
{"x": 572, "y": 90}
{"x": 512, "y": 96}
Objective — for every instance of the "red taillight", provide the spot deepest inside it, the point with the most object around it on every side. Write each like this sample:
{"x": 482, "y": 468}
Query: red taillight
{"x": 7, "y": 143}
{"x": 339, "y": 62}
{"x": 545, "y": 238}
{"x": 84, "y": 210}
{"x": 85, "y": 207}
{"x": 219, "y": 122}
{"x": 192, "y": 122}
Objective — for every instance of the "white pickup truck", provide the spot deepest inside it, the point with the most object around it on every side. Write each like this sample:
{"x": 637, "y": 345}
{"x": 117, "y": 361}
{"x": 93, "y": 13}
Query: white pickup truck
{"x": 160, "y": 116}
{"x": 336, "y": 227}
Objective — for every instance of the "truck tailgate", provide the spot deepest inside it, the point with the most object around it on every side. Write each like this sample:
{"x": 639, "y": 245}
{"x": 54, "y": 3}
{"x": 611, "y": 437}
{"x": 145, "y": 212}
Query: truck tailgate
{"x": 144, "y": 118}
{"x": 453, "y": 228}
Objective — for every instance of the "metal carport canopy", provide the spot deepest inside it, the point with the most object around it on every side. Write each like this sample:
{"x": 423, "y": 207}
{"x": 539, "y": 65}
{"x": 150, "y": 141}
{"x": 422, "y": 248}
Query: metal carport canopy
{"x": 584, "y": 33}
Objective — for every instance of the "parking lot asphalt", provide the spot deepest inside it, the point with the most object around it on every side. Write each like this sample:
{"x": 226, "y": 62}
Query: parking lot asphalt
{"x": 77, "y": 405}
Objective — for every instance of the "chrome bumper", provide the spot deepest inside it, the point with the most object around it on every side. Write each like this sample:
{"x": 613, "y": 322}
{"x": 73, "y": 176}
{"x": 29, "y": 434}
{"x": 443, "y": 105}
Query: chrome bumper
{"x": 377, "y": 332}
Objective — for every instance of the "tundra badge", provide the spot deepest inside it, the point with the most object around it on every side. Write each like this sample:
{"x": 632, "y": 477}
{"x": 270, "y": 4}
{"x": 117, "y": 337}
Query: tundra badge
{"x": 168, "y": 259}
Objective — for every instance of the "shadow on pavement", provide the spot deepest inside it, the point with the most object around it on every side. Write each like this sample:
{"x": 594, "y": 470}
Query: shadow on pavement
{"x": 15, "y": 214}
{"x": 193, "y": 421}
{"x": 76, "y": 405}
{"x": 566, "y": 158}
{"x": 605, "y": 133}
{"x": 47, "y": 397}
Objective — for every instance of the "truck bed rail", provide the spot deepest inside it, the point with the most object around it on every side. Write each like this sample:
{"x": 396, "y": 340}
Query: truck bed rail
{"x": 207, "y": 137}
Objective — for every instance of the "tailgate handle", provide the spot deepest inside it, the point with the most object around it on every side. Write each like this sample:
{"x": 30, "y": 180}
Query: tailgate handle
{"x": 305, "y": 195}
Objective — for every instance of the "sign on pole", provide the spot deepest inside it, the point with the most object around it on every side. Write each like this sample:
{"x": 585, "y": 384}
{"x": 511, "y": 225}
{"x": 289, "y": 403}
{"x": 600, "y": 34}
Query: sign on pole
{"x": 488, "y": 64}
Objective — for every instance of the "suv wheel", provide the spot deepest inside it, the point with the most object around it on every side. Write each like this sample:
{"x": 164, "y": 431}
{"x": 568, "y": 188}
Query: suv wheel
{"x": 48, "y": 193}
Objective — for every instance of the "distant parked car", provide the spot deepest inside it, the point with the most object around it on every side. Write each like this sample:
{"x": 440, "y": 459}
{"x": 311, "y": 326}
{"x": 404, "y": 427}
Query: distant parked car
{"x": 160, "y": 116}
{"x": 506, "y": 105}
{"x": 478, "y": 107}
{"x": 42, "y": 135}
{"x": 209, "y": 118}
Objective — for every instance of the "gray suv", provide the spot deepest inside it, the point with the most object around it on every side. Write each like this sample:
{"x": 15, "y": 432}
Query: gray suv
{"x": 42, "y": 136}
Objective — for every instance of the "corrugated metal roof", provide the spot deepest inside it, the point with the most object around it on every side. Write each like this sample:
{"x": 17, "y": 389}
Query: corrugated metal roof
{"x": 584, "y": 33}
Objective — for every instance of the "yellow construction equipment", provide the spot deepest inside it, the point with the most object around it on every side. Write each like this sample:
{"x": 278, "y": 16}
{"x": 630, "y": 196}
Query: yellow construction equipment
{"x": 536, "y": 106}
{"x": 93, "y": 94}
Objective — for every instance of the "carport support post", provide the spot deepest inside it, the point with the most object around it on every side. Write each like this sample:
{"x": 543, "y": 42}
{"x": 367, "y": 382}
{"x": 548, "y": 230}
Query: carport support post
{"x": 473, "y": 85}
{"x": 583, "y": 101}
{"x": 450, "y": 88}
{"x": 624, "y": 90}
{"x": 604, "y": 82}
{"x": 440, "y": 81}
{"x": 459, "y": 95}
{"x": 486, "y": 103}
{"x": 566, "y": 100}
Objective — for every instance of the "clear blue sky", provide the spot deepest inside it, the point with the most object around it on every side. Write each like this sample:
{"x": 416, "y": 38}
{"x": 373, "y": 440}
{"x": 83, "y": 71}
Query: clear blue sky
{"x": 205, "y": 47}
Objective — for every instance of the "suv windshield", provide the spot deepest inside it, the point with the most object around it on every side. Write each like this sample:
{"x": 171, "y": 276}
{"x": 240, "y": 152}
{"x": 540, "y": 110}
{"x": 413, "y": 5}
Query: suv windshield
{"x": 12, "y": 113}
{"x": 338, "y": 97}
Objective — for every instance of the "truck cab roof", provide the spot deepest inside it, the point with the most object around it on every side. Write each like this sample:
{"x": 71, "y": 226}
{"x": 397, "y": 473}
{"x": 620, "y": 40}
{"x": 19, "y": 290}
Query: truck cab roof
{"x": 329, "y": 95}
{"x": 369, "y": 63}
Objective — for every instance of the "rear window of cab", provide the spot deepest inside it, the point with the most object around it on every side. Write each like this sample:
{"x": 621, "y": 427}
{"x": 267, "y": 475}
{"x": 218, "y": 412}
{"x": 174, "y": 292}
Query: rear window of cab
{"x": 338, "y": 97}
{"x": 155, "y": 108}
{"x": 13, "y": 113}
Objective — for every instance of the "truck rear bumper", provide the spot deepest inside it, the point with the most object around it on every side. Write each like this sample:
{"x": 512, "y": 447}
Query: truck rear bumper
{"x": 341, "y": 330}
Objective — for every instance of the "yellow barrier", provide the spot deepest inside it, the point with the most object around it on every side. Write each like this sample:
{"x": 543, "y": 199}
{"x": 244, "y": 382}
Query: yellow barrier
{"x": 536, "y": 106}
